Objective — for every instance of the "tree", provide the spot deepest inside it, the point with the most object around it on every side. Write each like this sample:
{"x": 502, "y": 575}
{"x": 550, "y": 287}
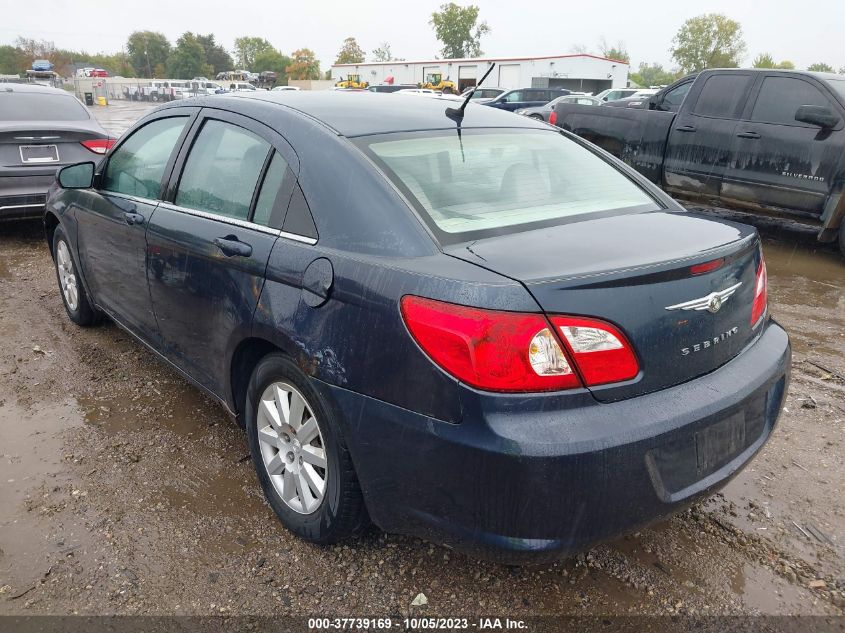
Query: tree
{"x": 652, "y": 75}
{"x": 764, "y": 60}
{"x": 382, "y": 53}
{"x": 215, "y": 55}
{"x": 618, "y": 52}
{"x": 708, "y": 41}
{"x": 11, "y": 60}
{"x": 246, "y": 48}
{"x": 350, "y": 52}
{"x": 304, "y": 65}
{"x": 275, "y": 61}
{"x": 187, "y": 59}
{"x": 820, "y": 67}
{"x": 786, "y": 65}
{"x": 579, "y": 49}
{"x": 147, "y": 50}
{"x": 458, "y": 29}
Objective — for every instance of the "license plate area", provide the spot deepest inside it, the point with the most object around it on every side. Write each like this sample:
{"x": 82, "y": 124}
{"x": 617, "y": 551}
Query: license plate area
{"x": 39, "y": 153}
{"x": 719, "y": 443}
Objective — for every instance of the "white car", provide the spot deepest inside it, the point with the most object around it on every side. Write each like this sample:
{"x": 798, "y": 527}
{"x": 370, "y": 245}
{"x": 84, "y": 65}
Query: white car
{"x": 241, "y": 86}
{"x": 286, "y": 88}
{"x": 204, "y": 87}
{"x": 417, "y": 91}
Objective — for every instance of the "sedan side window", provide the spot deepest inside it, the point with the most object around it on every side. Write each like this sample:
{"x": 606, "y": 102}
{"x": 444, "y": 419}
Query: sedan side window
{"x": 222, "y": 170}
{"x": 780, "y": 98}
{"x": 514, "y": 97}
{"x": 136, "y": 168}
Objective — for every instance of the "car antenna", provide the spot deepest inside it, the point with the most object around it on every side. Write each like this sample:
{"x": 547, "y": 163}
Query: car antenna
{"x": 458, "y": 113}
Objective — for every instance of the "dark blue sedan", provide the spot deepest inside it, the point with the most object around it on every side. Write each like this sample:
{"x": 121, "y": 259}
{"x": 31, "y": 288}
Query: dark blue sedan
{"x": 479, "y": 330}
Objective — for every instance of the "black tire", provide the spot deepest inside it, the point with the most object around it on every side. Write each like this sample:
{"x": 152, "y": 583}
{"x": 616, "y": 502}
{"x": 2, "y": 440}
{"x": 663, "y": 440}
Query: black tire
{"x": 539, "y": 117}
{"x": 341, "y": 513}
{"x": 83, "y": 313}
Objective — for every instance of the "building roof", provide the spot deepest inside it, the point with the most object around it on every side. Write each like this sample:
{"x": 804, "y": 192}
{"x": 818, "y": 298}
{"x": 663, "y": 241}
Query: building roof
{"x": 364, "y": 113}
{"x": 465, "y": 60}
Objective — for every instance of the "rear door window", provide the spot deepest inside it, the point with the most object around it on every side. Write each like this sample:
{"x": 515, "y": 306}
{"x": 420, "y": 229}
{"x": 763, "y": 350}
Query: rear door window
{"x": 274, "y": 194}
{"x": 222, "y": 170}
{"x": 780, "y": 98}
{"x": 136, "y": 168}
{"x": 722, "y": 96}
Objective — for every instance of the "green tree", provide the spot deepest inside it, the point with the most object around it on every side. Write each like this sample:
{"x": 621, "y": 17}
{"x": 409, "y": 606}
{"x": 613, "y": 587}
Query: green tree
{"x": 764, "y": 60}
{"x": 11, "y": 60}
{"x": 147, "y": 50}
{"x": 382, "y": 53}
{"x": 215, "y": 55}
{"x": 304, "y": 65}
{"x": 187, "y": 59}
{"x": 458, "y": 30}
{"x": 786, "y": 65}
{"x": 652, "y": 75}
{"x": 820, "y": 67}
{"x": 275, "y": 61}
{"x": 246, "y": 48}
{"x": 617, "y": 52}
{"x": 350, "y": 52}
{"x": 708, "y": 41}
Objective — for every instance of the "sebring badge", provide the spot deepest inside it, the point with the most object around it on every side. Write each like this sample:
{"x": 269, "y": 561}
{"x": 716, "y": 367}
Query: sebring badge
{"x": 712, "y": 302}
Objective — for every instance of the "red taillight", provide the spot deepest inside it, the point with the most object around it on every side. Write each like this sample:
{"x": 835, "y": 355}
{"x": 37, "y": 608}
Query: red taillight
{"x": 553, "y": 118}
{"x": 515, "y": 351}
{"x": 489, "y": 349}
{"x": 601, "y": 352}
{"x": 761, "y": 295}
{"x": 99, "y": 145}
{"x": 707, "y": 267}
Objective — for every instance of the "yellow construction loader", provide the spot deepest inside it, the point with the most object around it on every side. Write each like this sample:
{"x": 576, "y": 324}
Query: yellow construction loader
{"x": 352, "y": 81}
{"x": 435, "y": 81}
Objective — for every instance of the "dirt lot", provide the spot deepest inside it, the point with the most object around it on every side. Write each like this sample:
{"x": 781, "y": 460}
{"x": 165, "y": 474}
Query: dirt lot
{"x": 124, "y": 491}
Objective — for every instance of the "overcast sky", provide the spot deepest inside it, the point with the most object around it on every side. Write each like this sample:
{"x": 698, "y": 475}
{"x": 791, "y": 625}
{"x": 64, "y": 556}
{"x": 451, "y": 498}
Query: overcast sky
{"x": 803, "y": 32}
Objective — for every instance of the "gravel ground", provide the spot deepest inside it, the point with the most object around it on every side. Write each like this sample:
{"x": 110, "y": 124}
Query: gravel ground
{"x": 124, "y": 491}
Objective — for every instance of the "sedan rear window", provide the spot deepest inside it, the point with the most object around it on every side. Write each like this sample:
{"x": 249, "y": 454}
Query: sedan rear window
{"x": 39, "y": 106}
{"x": 489, "y": 182}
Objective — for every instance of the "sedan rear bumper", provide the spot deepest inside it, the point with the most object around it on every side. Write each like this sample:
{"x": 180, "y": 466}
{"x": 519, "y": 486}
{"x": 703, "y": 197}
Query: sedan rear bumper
{"x": 527, "y": 479}
{"x": 23, "y": 195}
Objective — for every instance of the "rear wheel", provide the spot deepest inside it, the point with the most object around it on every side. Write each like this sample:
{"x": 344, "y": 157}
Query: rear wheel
{"x": 77, "y": 305}
{"x": 302, "y": 463}
{"x": 539, "y": 117}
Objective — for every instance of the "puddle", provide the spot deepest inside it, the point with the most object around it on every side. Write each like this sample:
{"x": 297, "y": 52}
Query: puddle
{"x": 762, "y": 591}
{"x": 177, "y": 407}
{"x": 38, "y": 526}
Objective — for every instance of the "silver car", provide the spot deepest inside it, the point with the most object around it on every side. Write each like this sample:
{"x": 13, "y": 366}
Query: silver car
{"x": 542, "y": 112}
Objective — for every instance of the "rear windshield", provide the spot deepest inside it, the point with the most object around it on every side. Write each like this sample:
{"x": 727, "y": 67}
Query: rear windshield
{"x": 35, "y": 106}
{"x": 491, "y": 182}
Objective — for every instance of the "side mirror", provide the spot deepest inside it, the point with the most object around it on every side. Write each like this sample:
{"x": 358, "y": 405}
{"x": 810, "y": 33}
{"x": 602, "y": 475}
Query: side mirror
{"x": 78, "y": 176}
{"x": 817, "y": 115}
{"x": 653, "y": 102}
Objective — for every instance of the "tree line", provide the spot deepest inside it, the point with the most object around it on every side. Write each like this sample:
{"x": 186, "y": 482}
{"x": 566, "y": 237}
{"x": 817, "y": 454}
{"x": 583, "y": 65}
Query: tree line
{"x": 706, "y": 41}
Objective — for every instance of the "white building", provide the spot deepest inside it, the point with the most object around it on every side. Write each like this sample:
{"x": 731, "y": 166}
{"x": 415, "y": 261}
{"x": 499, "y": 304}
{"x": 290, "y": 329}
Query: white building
{"x": 580, "y": 72}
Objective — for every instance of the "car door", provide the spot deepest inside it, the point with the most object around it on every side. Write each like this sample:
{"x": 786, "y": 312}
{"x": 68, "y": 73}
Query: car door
{"x": 701, "y": 139}
{"x": 778, "y": 161}
{"x": 509, "y": 101}
{"x": 209, "y": 242}
{"x": 112, "y": 229}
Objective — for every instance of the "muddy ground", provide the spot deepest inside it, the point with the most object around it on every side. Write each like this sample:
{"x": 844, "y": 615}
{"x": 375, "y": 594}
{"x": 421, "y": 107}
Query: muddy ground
{"x": 124, "y": 491}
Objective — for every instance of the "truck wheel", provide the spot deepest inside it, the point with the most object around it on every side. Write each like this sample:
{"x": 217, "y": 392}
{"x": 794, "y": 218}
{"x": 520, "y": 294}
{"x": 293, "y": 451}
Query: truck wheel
{"x": 154, "y": 98}
{"x": 302, "y": 462}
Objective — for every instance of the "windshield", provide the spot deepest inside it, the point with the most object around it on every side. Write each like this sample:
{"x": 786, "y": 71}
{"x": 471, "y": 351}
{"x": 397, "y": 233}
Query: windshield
{"x": 39, "y": 106}
{"x": 838, "y": 85}
{"x": 490, "y": 181}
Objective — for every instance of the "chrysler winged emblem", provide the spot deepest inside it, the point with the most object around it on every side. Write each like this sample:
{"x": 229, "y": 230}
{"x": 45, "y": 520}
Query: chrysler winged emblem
{"x": 712, "y": 302}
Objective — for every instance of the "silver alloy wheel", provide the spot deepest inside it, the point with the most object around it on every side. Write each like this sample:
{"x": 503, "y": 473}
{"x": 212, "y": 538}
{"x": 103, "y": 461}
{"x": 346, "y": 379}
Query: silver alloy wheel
{"x": 292, "y": 447}
{"x": 67, "y": 276}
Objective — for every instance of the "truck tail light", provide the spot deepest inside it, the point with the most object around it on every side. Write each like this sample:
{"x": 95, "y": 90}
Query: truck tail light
{"x": 761, "y": 295}
{"x": 98, "y": 145}
{"x": 601, "y": 352}
{"x": 516, "y": 351}
{"x": 553, "y": 117}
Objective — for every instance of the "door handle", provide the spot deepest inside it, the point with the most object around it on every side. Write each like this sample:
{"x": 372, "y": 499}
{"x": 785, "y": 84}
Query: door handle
{"x": 232, "y": 247}
{"x": 133, "y": 218}
{"x": 685, "y": 128}
{"x": 748, "y": 135}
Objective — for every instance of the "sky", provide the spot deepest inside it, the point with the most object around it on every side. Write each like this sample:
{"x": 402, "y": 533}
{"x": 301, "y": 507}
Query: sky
{"x": 801, "y": 32}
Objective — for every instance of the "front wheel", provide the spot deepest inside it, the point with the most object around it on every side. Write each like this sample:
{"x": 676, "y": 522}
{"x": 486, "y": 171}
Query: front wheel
{"x": 302, "y": 463}
{"x": 77, "y": 305}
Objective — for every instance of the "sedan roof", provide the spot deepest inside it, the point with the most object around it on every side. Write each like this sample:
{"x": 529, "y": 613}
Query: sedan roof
{"x": 365, "y": 113}
{"x": 14, "y": 87}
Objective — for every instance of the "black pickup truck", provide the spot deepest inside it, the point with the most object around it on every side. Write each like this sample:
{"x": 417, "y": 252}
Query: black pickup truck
{"x": 768, "y": 141}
